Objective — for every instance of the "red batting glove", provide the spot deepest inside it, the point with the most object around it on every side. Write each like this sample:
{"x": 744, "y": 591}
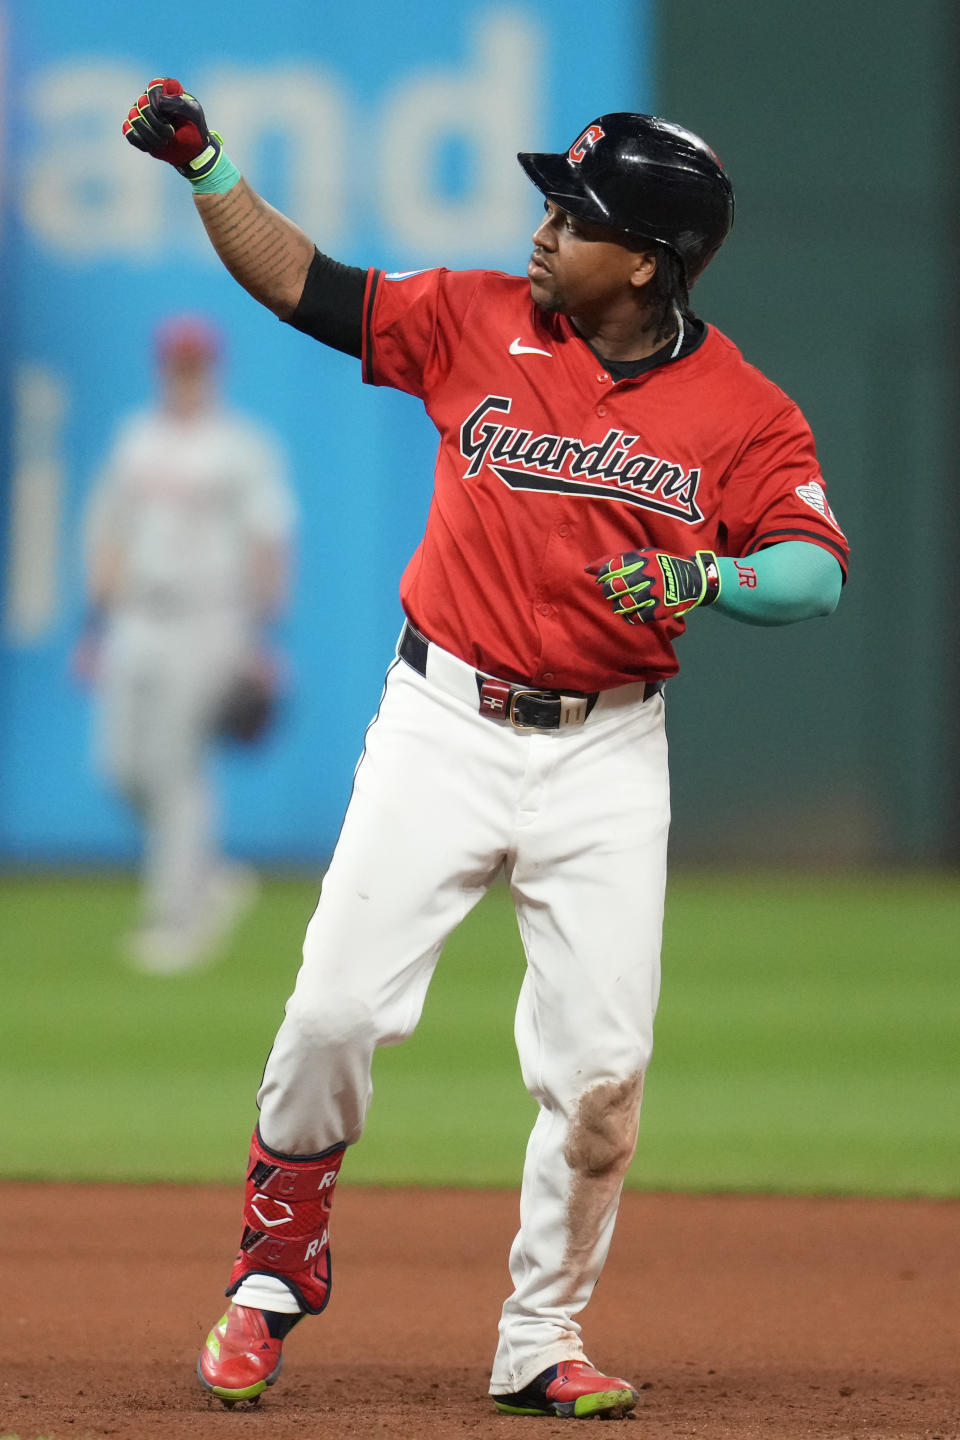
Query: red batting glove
{"x": 649, "y": 585}
{"x": 169, "y": 124}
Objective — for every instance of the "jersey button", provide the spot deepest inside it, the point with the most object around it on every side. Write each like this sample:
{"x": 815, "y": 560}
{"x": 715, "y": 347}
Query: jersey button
{"x": 603, "y": 378}
{"x": 601, "y": 409}
{"x": 563, "y": 531}
{"x": 546, "y": 609}
{"x": 548, "y": 676}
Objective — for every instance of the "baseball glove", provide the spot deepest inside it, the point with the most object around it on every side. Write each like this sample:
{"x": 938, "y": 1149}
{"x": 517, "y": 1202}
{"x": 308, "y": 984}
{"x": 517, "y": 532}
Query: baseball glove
{"x": 247, "y": 710}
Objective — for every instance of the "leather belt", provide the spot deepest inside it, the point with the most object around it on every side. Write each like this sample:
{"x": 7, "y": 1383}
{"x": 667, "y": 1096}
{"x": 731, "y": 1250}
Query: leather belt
{"x": 523, "y": 706}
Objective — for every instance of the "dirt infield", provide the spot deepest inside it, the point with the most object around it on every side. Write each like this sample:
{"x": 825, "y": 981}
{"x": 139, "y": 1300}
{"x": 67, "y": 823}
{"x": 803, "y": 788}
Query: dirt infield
{"x": 739, "y": 1317}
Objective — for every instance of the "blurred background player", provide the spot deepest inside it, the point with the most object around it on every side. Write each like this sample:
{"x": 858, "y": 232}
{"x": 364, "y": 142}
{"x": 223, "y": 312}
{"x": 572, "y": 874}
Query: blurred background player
{"x": 187, "y": 544}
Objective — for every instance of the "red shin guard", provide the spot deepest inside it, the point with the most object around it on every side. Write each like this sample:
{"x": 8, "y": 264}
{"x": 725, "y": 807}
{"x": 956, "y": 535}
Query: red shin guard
{"x": 286, "y": 1222}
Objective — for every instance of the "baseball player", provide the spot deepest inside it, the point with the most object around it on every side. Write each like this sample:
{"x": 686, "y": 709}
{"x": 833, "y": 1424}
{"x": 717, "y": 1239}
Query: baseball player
{"x": 608, "y": 463}
{"x": 187, "y": 539}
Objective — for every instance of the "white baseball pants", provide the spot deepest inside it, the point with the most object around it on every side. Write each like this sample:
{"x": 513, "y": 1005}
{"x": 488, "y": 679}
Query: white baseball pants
{"x": 163, "y": 679}
{"x": 443, "y": 799}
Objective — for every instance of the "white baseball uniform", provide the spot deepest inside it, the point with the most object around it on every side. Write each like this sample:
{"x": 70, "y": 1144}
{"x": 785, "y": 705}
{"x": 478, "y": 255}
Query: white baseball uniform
{"x": 546, "y": 462}
{"x": 183, "y": 504}
{"x": 521, "y": 727}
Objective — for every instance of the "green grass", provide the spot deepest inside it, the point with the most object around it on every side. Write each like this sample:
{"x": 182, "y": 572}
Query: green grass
{"x": 808, "y": 1041}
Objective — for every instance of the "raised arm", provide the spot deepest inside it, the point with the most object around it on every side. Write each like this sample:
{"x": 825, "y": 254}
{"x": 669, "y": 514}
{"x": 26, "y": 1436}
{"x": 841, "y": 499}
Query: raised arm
{"x": 268, "y": 254}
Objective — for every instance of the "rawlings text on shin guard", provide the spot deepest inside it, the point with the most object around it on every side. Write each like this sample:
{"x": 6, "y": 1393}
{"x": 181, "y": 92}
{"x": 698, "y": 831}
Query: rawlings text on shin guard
{"x": 286, "y": 1222}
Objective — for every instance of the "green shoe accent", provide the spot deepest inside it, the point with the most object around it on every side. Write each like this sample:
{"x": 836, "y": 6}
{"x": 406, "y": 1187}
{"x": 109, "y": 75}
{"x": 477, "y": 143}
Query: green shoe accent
{"x": 603, "y": 1400}
{"x": 614, "y": 1403}
{"x": 213, "y": 1339}
{"x": 519, "y": 1409}
{"x": 233, "y": 1397}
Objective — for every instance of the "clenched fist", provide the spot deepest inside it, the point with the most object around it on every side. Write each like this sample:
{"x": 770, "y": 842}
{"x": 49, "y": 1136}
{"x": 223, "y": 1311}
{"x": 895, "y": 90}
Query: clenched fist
{"x": 169, "y": 124}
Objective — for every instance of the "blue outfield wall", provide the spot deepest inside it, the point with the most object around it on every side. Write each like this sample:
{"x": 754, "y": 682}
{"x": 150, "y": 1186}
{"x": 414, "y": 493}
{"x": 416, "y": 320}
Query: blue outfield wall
{"x": 390, "y": 138}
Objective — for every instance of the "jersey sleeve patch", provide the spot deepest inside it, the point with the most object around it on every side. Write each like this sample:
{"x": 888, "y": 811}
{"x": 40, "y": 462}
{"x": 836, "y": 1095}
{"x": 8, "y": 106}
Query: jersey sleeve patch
{"x": 814, "y": 495}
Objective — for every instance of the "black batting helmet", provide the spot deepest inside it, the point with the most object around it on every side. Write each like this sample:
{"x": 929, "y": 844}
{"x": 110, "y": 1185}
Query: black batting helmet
{"x": 647, "y": 177}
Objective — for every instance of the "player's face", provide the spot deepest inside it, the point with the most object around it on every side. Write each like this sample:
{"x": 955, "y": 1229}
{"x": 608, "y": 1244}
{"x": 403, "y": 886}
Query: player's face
{"x": 578, "y": 268}
{"x": 186, "y": 382}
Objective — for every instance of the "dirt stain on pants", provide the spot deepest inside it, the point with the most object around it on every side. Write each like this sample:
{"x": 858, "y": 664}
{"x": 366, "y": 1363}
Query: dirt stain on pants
{"x": 599, "y": 1148}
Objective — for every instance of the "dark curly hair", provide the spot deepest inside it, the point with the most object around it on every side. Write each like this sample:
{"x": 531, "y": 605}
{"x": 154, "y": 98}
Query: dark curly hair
{"x": 666, "y": 291}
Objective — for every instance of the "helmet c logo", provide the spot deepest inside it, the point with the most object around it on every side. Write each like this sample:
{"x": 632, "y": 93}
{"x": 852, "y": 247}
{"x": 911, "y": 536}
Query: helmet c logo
{"x": 587, "y": 140}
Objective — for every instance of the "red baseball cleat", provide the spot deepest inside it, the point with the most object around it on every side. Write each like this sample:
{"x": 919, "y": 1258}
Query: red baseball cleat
{"x": 240, "y": 1357}
{"x": 572, "y": 1390}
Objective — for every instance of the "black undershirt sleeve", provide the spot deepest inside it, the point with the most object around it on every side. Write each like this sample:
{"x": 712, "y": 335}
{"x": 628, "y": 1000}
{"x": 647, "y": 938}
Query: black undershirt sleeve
{"x": 331, "y": 306}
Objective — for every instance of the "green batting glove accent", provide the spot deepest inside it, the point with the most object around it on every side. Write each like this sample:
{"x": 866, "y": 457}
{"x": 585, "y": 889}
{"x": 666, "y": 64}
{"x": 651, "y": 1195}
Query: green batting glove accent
{"x": 219, "y": 178}
{"x": 688, "y": 583}
{"x": 649, "y": 585}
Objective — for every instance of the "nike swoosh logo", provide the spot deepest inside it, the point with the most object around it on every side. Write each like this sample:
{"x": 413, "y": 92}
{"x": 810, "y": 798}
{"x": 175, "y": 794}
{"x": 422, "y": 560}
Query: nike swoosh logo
{"x": 517, "y": 349}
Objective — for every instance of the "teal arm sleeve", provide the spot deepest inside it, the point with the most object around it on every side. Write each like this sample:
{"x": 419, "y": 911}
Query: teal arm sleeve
{"x": 790, "y": 581}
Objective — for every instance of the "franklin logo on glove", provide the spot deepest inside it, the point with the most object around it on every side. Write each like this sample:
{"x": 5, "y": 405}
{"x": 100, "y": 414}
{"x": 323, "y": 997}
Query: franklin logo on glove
{"x": 647, "y": 585}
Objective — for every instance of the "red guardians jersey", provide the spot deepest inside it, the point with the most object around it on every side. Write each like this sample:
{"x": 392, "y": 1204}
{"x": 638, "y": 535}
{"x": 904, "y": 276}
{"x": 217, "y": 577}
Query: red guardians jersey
{"x": 546, "y": 463}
